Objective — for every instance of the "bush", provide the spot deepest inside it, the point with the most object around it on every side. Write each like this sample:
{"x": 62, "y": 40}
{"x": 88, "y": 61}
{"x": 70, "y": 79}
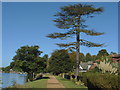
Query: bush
{"x": 67, "y": 76}
{"x": 101, "y": 81}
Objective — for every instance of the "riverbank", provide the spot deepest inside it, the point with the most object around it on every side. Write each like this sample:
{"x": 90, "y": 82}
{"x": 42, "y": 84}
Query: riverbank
{"x": 50, "y": 81}
{"x": 34, "y": 84}
{"x": 40, "y": 83}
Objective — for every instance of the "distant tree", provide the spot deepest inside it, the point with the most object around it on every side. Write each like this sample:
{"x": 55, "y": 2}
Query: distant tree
{"x": 94, "y": 57}
{"x": 102, "y": 53}
{"x": 73, "y": 57}
{"x": 82, "y": 57}
{"x": 28, "y": 60}
{"x": 60, "y": 62}
{"x": 72, "y": 18}
{"x": 88, "y": 57}
{"x": 6, "y": 69}
{"x": 112, "y": 53}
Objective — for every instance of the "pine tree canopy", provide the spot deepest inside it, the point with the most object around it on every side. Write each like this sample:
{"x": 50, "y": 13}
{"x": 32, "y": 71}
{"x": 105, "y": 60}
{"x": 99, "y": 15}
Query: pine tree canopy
{"x": 71, "y": 18}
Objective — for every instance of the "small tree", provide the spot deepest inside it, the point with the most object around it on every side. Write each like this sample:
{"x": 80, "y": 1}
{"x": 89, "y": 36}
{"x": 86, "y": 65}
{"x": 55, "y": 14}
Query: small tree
{"x": 72, "y": 18}
{"x": 60, "y": 62}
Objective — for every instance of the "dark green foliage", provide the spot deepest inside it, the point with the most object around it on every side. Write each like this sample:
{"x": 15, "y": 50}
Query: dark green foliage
{"x": 6, "y": 69}
{"x": 94, "y": 57}
{"x": 95, "y": 70}
{"x": 88, "y": 57}
{"x": 73, "y": 57}
{"x": 60, "y": 62}
{"x": 27, "y": 60}
{"x": 112, "y": 53}
{"x": 101, "y": 81}
{"x": 14, "y": 66}
{"x": 102, "y": 53}
{"x": 82, "y": 57}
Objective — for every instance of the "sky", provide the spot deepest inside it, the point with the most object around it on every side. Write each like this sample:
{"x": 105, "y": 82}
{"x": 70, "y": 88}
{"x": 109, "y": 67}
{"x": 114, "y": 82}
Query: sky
{"x": 28, "y": 23}
{"x": 0, "y": 34}
{"x": 60, "y": 0}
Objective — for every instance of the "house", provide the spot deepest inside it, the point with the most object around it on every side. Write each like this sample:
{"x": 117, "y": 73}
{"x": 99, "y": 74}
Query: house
{"x": 116, "y": 57}
{"x": 85, "y": 66}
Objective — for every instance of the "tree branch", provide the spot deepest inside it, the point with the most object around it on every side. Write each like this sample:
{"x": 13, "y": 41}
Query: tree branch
{"x": 89, "y": 32}
{"x": 66, "y": 45}
{"x": 61, "y": 35}
{"x": 90, "y": 44}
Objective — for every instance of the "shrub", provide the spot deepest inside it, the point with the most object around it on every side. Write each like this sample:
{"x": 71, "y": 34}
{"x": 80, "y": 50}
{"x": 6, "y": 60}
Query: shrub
{"x": 107, "y": 66}
{"x": 101, "y": 81}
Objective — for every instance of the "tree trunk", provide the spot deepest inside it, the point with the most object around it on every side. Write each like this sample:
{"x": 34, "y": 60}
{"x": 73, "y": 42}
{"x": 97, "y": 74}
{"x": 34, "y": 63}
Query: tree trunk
{"x": 77, "y": 54}
{"x": 30, "y": 76}
{"x": 77, "y": 47}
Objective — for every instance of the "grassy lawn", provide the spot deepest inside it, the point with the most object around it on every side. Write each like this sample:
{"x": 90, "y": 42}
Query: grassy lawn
{"x": 68, "y": 83}
{"x": 36, "y": 84}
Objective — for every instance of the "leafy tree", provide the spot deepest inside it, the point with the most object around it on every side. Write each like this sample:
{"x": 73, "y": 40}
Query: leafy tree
{"x": 43, "y": 62}
{"x": 112, "y": 53}
{"x": 73, "y": 57}
{"x": 60, "y": 62}
{"x": 94, "y": 57}
{"x": 72, "y": 18}
{"x": 6, "y": 69}
{"x": 82, "y": 57}
{"x": 28, "y": 60}
{"x": 88, "y": 57}
{"x": 14, "y": 67}
{"x": 102, "y": 53}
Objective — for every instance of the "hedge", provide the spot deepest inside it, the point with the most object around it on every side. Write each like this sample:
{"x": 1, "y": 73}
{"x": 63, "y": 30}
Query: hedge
{"x": 101, "y": 81}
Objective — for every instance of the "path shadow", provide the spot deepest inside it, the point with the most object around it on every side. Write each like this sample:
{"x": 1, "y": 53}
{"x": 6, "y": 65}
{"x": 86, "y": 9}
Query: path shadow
{"x": 42, "y": 78}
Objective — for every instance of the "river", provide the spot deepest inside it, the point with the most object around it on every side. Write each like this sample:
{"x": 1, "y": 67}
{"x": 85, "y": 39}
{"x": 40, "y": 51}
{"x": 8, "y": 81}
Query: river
{"x": 8, "y": 79}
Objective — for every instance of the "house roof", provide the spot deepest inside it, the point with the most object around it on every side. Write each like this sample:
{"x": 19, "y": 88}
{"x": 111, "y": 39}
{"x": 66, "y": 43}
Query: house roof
{"x": 116, "y": 57}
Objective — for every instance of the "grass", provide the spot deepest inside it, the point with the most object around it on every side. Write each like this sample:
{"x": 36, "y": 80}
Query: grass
{"x": 42, "y": 83}
{"x": 69, "y": 84}
{"x": 36, "y": 84}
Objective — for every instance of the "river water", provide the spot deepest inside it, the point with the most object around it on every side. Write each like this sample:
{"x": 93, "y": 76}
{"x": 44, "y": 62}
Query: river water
{"x": 8, "y": 79}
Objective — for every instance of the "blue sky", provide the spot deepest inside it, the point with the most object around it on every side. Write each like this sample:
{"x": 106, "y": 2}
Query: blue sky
{"x": 60, "y": 1}
{"x": 29, "y": 23}
{"x": 0, "y": 34}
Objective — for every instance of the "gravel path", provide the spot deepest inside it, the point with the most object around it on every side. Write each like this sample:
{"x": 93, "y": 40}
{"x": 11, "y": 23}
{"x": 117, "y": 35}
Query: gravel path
{"x": 54, "y": 83}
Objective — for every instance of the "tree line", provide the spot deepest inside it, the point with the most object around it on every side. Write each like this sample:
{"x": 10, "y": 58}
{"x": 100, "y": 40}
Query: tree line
{"x": 28, "y": 59}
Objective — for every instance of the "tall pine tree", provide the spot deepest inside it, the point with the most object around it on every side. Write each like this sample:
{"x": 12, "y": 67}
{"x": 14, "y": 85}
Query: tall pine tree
{"x": 72, "y": 18}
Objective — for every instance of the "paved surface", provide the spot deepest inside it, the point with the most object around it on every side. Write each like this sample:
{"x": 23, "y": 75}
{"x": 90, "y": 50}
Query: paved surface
{"x": 54, "y": 83}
